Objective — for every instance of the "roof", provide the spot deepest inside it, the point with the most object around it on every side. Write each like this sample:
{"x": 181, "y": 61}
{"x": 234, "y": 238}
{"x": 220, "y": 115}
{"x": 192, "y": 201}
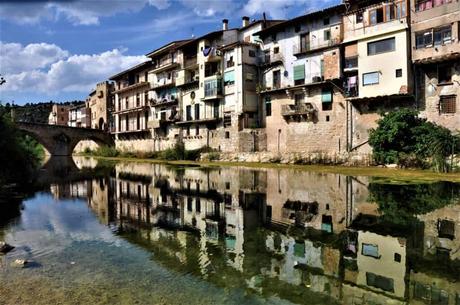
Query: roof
{"x": 167, "y": 47}
{"x": 207, "y": 35}
{"x": 141, "y": 66}
{"x": 281, "y": 25}
{"x": 267, "y": 22}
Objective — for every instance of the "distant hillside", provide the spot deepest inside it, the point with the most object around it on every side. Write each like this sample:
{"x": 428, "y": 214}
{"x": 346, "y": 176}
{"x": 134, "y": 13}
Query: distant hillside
{"x": 36, "y": 113}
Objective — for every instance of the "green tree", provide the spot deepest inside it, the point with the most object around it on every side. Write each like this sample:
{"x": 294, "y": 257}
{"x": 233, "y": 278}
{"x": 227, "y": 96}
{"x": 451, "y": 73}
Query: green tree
{"x": 403, "y": 137}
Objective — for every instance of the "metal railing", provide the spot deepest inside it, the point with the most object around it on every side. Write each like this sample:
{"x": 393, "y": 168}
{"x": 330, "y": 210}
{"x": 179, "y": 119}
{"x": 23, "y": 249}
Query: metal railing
{"x": 273, "y": 58}
{"x": 306, "y": 47}
{"x": 300, "y": 109}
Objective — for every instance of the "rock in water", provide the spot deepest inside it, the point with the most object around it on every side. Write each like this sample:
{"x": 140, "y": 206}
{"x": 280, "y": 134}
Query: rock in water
{"x": 20, "y": 263}
{"x": 5, "y": 248}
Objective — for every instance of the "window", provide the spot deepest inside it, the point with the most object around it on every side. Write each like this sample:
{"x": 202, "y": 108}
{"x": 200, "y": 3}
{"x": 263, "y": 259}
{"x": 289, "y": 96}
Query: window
{"x": 381, "y": 282}
{"x": 229, "y": 78}
{"x": 197, "y": 130}
{"x": 230, "y": 63}
{"x": 197, "y": 111}
{"x": 126, "y": 103}
{"x": 371, "y": 78}
{"x": 188, "y": 112}
{"x": 376, "y": 16}
{"x": 359, "y": 17}
{"x": 370, "y": 250}
{"x": 299, "y": 98}
{"x": 249, "y": 77}
{"x": 444, "y": 74}
{"x": 227, "y": 134}
{"x": 198, "y": 205}
{"x": 138, "y": 100}
{"x": 189, "y": 204}
{"x": 326, "y": 99}
{"x": 146, "y": 97}
{"x": 400, "y": 9}
{"x": 447, "y": 104}
{"x": 397, "y": 257}
{"x": 381, "y": 46}
{"x": 398, "y": 72}
{"x": 268, "y": 106}
{"x": 327, "y": 34}
{"x": 442, "y": 36}
{"x": 299, "y": 74}
{"x": 326, "y": 21}
{"x": 297, "y": 28}
{"x": 252, "y": 53}
{"x": 276, "y": 50}
{"x": 276, "y": 79}
{"x": 187, "y": 131}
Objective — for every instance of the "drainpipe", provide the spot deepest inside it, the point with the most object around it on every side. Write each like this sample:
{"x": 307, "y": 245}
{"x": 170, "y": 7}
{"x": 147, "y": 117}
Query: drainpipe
{"x": 279, "y": 135}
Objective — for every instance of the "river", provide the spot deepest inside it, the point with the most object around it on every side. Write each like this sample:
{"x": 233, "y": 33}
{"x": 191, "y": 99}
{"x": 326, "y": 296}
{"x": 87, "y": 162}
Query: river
{"x": 97, "y": 232}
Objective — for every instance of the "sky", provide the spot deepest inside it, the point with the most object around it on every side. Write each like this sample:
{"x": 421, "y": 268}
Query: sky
{"x": 59, "y": 50}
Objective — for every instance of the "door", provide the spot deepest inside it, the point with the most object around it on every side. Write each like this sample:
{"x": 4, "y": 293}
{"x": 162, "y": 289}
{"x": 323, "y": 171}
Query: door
{"x": 276, "y": 79}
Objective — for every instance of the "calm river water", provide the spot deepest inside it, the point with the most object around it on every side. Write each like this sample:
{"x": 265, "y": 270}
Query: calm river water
{"x": 141, "y": 233}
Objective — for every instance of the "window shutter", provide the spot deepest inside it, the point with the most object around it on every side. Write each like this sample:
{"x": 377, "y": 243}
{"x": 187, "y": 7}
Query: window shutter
{"x": 299, "y": 72}
{"x": 326, "y": 96}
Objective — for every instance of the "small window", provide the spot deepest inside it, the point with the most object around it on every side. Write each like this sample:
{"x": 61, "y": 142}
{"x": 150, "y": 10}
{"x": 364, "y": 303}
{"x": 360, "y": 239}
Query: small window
{"x": 381, "y": 46}
{"x": 227, "y": 185}
{"x": 376, "y": 16}
{"x": 370, "y": 78}
{"x": 188, "y": 131}
{"x": 276, "y": 50}
{"x": 197, "y": 130}
{"x": 359, "y": 17}
{"x": 327, "y": 35}
{"x": 227, "y": 134}
{"x": 381, "y": 282}
{"x": 328, "y": 118}
{"x": 252, "y": 53}
{"x": 268, "y": 106}
{"x": 398, "y": 72}
{"x": 447, "y": 104}
{"x": 397, "y": 257}
{"x": 326, "y": 21}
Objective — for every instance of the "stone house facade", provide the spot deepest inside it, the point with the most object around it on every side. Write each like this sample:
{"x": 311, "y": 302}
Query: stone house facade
{"x": 100, "y": 103}
{"x": 59, "y": 115}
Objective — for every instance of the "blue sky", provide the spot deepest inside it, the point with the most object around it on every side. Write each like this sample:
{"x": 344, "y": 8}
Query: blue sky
{"x": 58, "y": 50}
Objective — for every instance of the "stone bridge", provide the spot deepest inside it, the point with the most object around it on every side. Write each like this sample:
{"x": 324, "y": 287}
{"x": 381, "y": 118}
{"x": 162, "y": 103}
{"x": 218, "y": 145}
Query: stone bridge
{"x": 61, "y": 140}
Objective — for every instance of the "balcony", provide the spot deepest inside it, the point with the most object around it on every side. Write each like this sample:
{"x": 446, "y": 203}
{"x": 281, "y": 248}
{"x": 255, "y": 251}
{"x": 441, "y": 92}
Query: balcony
{"x": 351, "y": 64}
{"x": 164, "y": 84}
{"x": 184, "y": 77}
{"x": 213, "y": 88}
{"x": 165, "y": 65}
{"x": 165, "y": 119}
{"x": 425, "y": 5}
{"x": 298, "y": 49}
{"x": 132, "y": 109}
{"x": 127, "y": 87}
{"x": 190, "y": 63}
{"x": 164, "y": 100}
{"x": 211, "y": 54}
{"x": 272, "y": 59}
{"x": 306, "y": 110}
{"x": 351, "y": 86}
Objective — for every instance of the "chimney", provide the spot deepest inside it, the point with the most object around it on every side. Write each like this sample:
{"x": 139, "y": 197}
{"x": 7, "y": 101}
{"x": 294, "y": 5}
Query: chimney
{"x": 245, "y": 21}
{"x": 224, "y": 24}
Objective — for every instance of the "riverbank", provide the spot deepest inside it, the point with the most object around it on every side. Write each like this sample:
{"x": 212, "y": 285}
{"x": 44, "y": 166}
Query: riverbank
{"x": 390, "y": 174}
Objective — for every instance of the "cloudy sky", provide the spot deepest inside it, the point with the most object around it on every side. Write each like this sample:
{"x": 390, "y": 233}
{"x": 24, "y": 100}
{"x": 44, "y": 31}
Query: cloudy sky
{"x": 58, "y": 50}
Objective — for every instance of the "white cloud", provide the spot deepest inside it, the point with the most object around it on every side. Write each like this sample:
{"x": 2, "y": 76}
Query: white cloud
{"x": 209, "y": 8}
{"x": 74, "y": 73}
{"x": 282, "y": 9}
{"x": 16, "y": 58}
{"x": 83, "y": 12}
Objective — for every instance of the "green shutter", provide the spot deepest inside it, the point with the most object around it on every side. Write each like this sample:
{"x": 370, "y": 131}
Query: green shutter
{"x": 326, "y": 96}
{"x": 229, "y": 76}
{"x": 299, "y": 72}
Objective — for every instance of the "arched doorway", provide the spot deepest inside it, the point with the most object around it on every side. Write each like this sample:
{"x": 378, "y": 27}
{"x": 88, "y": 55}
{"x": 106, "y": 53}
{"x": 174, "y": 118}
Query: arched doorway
{"x": 101, "y": 124}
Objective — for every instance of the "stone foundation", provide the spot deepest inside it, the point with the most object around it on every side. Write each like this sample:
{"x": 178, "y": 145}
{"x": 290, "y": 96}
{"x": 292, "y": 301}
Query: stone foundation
{"x": 348, "y": 159}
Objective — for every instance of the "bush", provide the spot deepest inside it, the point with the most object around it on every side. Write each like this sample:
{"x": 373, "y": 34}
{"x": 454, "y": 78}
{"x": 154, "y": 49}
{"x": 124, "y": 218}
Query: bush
{"x": 404, "y": 138}
{"x": 106, "y": 151}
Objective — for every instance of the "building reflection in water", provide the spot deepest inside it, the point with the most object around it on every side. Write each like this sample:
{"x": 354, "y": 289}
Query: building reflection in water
{"x": 294, "y": 234}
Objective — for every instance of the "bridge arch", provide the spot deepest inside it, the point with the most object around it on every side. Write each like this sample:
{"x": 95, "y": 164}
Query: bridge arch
{"x": 61, "y": 140}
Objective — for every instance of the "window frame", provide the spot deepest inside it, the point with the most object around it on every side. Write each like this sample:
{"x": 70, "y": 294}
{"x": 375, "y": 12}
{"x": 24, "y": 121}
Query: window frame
{"x": 393, "y": 49}
{"x": 371, "y": 84}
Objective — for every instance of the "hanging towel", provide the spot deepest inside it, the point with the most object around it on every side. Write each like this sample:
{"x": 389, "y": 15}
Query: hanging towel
{"x": 207, "y": 51}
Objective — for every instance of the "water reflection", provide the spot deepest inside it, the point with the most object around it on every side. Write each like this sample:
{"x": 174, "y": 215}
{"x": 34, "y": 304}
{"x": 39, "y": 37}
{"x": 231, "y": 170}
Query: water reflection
{"x": 307, "y": 238}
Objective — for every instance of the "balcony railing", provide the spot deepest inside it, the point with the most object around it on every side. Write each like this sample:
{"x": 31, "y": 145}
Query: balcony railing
{"x": 273, "y": 58}
{"x": 424, "y": 5}
{"x": 351, "y": 86}
{"x": 351, "y": 62}
{"x": 213, "y": 88}
{"x": 304, "y": 109}
{"x": 307, "y": 47}
{"x": 190, "y": 62}
{"x": 163, "y": 64}
{"x": 164, "y": 83}
{"x": 163, "y": 100}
